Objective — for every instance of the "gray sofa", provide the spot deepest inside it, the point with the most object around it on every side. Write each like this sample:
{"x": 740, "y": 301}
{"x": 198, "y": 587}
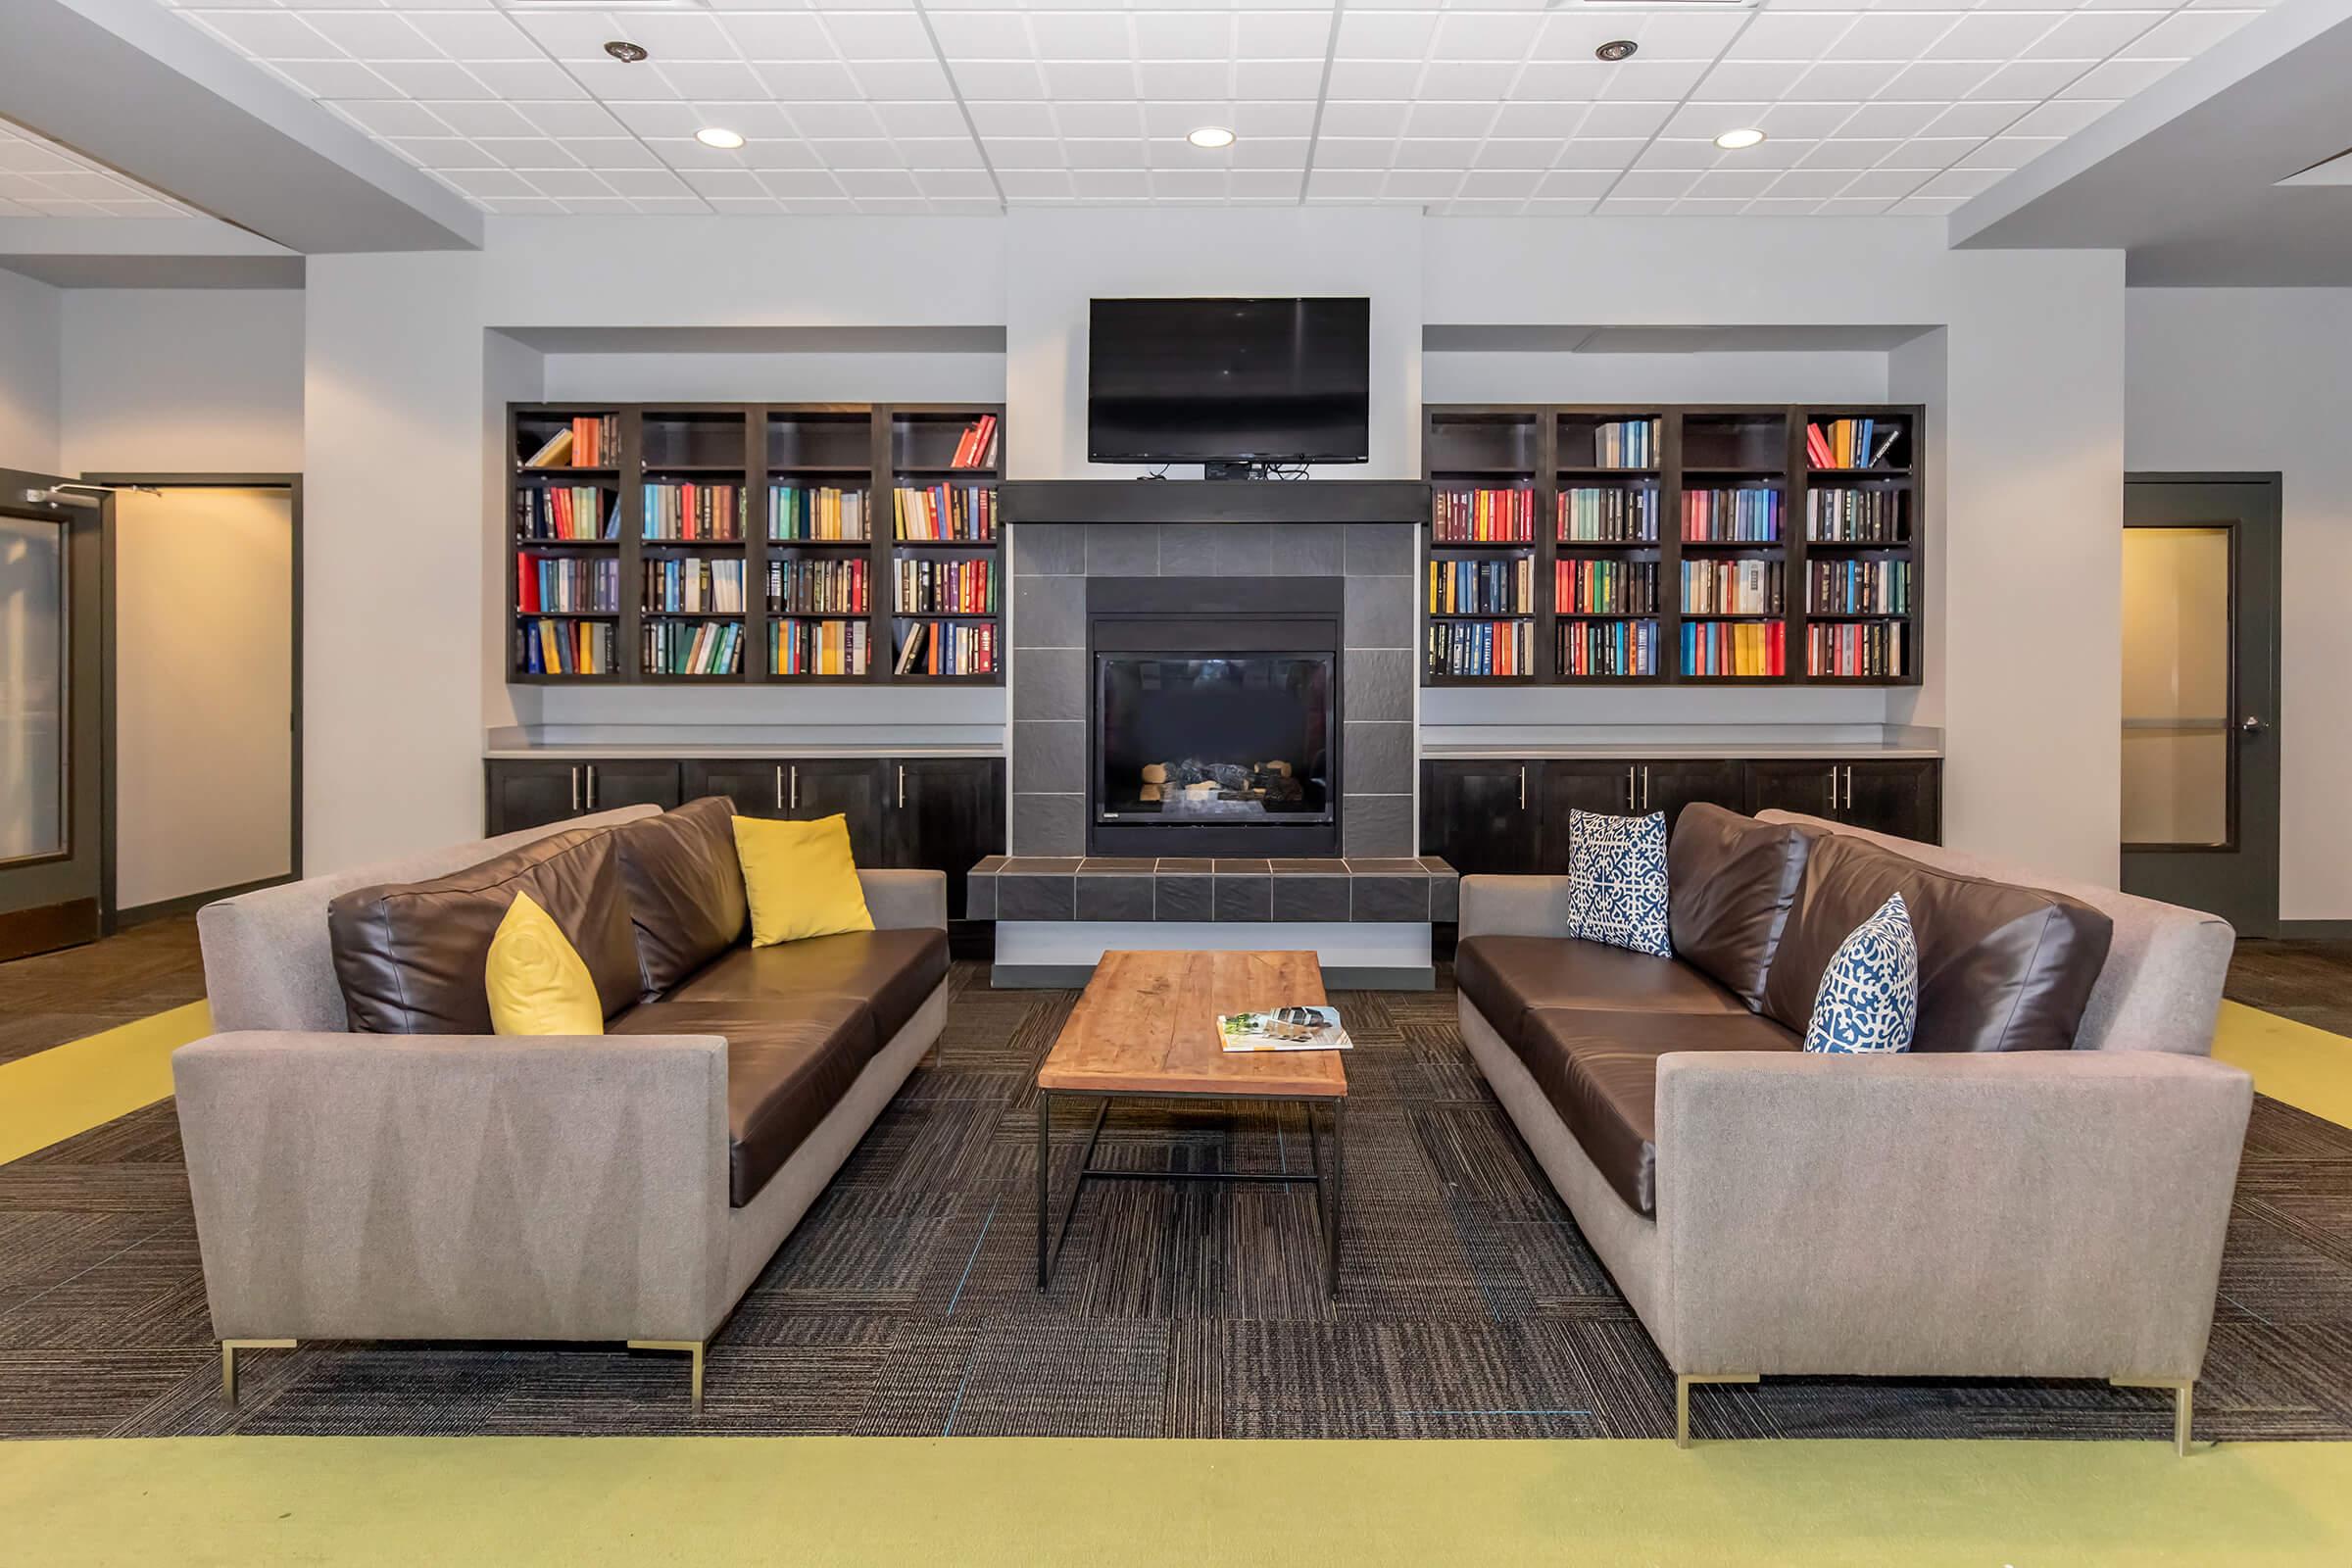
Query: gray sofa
{"x": 473, "y": 1187}
{"x": 2001, "y": 1212}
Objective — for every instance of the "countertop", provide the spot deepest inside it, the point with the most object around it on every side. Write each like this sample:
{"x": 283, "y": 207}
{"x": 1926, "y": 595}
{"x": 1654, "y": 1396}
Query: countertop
{"x": 711, "y": 752}
{"x": 1623, "y": 752}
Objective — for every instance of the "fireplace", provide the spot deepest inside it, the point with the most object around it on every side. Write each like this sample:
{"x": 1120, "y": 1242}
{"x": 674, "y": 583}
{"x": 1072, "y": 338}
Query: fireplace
{"x": 1215, "y": 717}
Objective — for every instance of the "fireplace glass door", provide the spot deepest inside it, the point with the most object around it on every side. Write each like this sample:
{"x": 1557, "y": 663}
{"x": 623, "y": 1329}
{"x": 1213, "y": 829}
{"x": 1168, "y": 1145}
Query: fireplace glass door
{"x": 1233, "y": 742}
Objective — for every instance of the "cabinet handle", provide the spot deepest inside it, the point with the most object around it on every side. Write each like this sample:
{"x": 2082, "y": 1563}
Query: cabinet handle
{"x": 795, "y": 788}
{"x": 1630, "y": 802}
{"x": 575, "y": 786}
{"x": 1833, "y": 789}
{"x": 1645, "y": 785}
{"x": 592, "y": 786}
{"x": 1849, "y": 786}
{"x": 1523, "y": 786}
{"x": 902, "y": 786}
{"x": 779, "y": 786}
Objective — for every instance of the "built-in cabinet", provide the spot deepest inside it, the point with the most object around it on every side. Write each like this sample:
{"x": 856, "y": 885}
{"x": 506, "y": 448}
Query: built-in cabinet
{"x": 1501, "y": 816}
{"x": 940, "y": 813}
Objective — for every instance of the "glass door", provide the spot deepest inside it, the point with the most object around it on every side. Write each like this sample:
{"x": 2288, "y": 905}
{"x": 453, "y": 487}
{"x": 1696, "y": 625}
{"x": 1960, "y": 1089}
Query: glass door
{"x": 2200, "y": 681}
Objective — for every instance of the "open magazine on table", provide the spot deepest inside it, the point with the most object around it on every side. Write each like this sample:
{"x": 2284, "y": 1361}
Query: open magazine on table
{"x": 1284, "y": 1029}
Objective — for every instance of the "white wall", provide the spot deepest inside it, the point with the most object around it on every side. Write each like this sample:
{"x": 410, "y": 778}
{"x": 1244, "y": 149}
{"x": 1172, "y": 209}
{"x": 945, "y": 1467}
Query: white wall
{"x": 2254, "y": 380}
{"x": 1773, "y": 375}
{"x": 30, "y": 332}
{"x": 182, "y": 380}
{"x": 778, "y": 377}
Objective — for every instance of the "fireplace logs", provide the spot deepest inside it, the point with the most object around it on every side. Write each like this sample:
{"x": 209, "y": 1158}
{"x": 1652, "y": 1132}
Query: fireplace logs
{"x": 1191, "y": 783}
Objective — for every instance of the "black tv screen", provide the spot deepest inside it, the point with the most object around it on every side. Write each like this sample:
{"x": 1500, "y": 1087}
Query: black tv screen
{"x": 1229, "y": 382}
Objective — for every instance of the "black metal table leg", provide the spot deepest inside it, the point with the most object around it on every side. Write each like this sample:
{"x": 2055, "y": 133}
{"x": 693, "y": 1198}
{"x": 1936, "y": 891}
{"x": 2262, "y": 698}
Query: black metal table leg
{"x": 1338, "y": 1128}
{"x": 1045, "y": 1163}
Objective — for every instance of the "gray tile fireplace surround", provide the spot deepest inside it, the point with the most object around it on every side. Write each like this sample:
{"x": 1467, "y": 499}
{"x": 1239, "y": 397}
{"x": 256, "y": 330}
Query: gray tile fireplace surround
{"x": 1051, "y": 563}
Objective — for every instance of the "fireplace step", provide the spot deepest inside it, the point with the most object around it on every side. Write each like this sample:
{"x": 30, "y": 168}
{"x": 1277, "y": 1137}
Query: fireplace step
{"x": 1385, "y": 890}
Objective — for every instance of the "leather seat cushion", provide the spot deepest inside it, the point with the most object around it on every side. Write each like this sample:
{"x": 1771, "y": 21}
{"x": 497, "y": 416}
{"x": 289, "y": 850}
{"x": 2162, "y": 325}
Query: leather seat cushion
{"x": 1729, "y": 883}
{"x": 1600, "y": 1072}
{"x": 685, "y": 887}
{"x": 2001, "y": 967}
{"x": 789, "y": 1063}
{"x": 409, "y": 956}
{"x": 1506, "y": 976}
{"x": 892, "y": 971}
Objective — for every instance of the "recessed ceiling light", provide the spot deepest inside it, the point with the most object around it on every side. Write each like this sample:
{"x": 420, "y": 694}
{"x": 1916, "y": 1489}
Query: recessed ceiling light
{"x": 627, "y": 53}
{"x": 1617, "y": 49}
{"x": 1733, "y": 140}
{"x": 1211, "y": 136}
{"x": 719, "y": 137}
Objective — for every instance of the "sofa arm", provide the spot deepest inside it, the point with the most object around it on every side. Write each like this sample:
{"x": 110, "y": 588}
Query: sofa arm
{"x": 1514, "y": 906}
{"x": 458, "y": 1187}
{"x": 2031, "y": 1214}
{"x": 906, "y": 901}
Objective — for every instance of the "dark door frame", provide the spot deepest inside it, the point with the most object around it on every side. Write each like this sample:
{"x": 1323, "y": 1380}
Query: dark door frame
{"x": 291, "y": 484}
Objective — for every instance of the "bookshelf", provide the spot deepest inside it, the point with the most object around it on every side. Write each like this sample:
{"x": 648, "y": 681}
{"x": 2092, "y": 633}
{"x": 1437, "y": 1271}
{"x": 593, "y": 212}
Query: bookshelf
{"x": 1679, "y": 544}
{"x": 711, "y": 544}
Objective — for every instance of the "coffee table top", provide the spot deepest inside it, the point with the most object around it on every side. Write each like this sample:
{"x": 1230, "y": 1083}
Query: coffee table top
{"x": 1147, "y": 1025}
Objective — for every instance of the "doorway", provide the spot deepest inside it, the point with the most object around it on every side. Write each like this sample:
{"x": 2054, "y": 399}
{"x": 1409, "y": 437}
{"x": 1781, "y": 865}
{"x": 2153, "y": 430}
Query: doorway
{"x": 206, "y": 769}
{"x": 2200, "y": 676}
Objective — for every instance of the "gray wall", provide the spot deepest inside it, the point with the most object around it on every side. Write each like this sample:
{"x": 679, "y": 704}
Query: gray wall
{"x": 1051, "y": 563}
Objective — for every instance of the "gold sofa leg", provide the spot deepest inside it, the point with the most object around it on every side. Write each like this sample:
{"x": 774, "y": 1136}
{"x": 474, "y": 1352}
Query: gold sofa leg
{"x": 228, "y": 1359}
{"x": 2182, "y": 1390}
{"x": 1682, "y": 1397}
{"x": 692, "y": 1348}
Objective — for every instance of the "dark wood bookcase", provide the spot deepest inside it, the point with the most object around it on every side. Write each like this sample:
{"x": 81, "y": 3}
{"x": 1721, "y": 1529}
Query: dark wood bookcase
{"x": 1551, "y": 449}
{"x": 871, "y": 449}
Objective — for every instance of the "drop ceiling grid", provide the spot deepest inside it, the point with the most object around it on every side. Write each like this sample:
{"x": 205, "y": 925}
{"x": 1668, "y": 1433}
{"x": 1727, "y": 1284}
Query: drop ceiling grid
{"x": 40, "y": 178}
{"x": 1909, "y": 106}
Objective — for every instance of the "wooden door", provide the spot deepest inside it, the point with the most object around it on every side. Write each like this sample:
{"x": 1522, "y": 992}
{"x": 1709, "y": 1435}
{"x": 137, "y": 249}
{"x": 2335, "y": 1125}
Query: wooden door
{"x": 526, "y": 795}
{"x": 946, "y": 814}
{"x": 1612, "y": 789}
{"x": 634, "y": 781}
{"x": 1668, "y": 787}
{"x": 1809, "y": 786}
{"x": 1482, "y": 816}
{"x": 756, "y": 788}
{"x": 1898, "y": 796}
{"x": 849, "y": 785}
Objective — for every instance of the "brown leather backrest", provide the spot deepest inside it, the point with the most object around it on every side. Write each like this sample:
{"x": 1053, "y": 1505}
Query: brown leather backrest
{"x": 2001, "y": 967}
{"x": 410, "y": 955}
{"x": 684, "y": 883}
{"x": 1730, "y": 881}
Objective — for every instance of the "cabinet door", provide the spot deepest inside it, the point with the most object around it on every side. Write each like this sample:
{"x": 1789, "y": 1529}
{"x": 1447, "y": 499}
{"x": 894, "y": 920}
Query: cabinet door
{"x": 946, "y": 814}
{"x": 1613, "y": 789}
{"x": 1668, "y": 787}
{"x": 850, "y": 786}
{"x": 756, "y": 788}
{"x": 526, "y": 795}
{"x": 1482, "y": 816}
{"x": 632, "y": 782}
{"x": 1896, "y": 796}
{"x": 1805, "y": 786}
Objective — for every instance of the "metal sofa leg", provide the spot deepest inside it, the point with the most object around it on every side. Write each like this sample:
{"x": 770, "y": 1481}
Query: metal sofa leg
{"x": 229, "y": 1360}
{"x": 2182, "y": 1390}
{"x": 692, "y": 1348}
{"x": 1682, "y": 1397}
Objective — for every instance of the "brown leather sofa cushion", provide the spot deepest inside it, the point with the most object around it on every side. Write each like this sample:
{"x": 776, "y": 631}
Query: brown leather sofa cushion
{"x": 789, "y": 1062}
{"x": 2000, "y": 968}
{"x": 891, "y": 971}
{"x": 1730, "y": 881}
{"x": 1600, "y": 1072}
{"x": 1505, "y": 976}
{"x": 410, "y": 955}
{"x": 685, "y": 889}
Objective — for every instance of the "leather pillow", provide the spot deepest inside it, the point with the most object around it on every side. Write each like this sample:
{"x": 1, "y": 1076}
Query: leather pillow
{"x": 1730, "y": 881}
{"x": 685, "y": 889}
{"x": 2000, "y": 968}
{"x": 411, "y": 957}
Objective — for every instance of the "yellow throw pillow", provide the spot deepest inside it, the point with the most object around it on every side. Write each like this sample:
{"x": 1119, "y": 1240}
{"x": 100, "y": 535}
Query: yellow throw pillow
{"x": 800, "y": 879}
{"x": 537, "y": 983}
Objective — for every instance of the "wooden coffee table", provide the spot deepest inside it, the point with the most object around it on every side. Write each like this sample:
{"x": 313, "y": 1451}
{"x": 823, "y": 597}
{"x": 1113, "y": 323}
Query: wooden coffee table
{"x": 1146, "y": 1028}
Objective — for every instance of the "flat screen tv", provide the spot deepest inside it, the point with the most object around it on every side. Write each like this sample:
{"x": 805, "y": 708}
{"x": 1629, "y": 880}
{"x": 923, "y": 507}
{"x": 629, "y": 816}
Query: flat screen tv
{"x": 1229, "y": 382}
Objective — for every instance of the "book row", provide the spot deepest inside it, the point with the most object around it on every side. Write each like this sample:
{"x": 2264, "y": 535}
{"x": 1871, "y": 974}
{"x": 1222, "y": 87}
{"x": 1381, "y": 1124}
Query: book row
{"x": 693, "y": 648}
{"x": 590, "y": 441}
{"x": 567, "y": 513}
{"x": 1850, "y": 443}
{"x": 1859, "y": 587}
{"x": 1482, "y": 587}
{"x": 816, "y": 512}
{"x": 978, "y": 447}
{"x": 1733, "y": 648}
{"x": 1482, "y": 516}
{"x": 1605, "y": 587}
{"x": 1625, "y": 444}
{"x": 692, "y": 586}
{"x": 1482, "y": 647}
{"x": 1609, "y": 514}
{"x": 1609, "y": 647}
{"x": 1733, "y": 588}
{"x": 818, "y": 647}
{"x": 966, "y": 511}
{"x": 817, "y": 588}
{"x": 568, "y": 584}
{"x": 1838, "y": 514}
{"x": 547, "y": 646}
{"x": 1864, "y": 650}
{"x": 693, "y": 511}
{"x": 946, "y": 648}
{"x": 945, "y": 588}
{"x": 1746, "y": 516}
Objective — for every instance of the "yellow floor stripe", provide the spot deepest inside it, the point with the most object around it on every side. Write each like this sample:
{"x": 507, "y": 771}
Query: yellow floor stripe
{"x": 52, "y": 1094}
{"x": 2308, "y": 1068}
{"x": 977, "y": 1500}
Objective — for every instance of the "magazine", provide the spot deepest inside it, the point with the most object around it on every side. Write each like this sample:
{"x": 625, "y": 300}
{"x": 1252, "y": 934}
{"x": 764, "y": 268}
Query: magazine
{"x": 1284, "y": 1029}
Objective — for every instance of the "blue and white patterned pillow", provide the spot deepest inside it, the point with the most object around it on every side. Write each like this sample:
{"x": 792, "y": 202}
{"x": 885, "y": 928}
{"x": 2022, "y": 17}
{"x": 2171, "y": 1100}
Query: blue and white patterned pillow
{"x": 1869, "y": 995}
{"x": 1617, "y": 880}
